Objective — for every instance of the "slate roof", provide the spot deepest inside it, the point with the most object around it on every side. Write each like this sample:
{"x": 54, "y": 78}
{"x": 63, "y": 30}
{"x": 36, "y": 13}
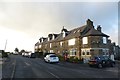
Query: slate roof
{"x": 75, "y": 32}
{"x": 86, "y": 30}
{"x": 94, "y": 32}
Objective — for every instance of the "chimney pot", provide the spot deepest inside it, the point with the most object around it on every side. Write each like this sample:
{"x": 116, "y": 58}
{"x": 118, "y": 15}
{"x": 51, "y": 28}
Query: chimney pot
{"x": 99, "y": 28}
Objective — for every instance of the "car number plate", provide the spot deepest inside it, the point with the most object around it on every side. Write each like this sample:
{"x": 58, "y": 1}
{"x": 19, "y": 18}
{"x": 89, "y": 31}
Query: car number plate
{"x": 54, "y": 58}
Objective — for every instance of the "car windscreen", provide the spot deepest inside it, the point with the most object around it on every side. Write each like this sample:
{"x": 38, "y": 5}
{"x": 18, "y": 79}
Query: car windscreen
{"x": 53, "y": 56}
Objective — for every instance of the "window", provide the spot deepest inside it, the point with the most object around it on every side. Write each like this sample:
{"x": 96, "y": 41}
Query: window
{"x": 88, "y": 53}
{"x": 53, "y": 37}
{"x": 78, "y": 31}
{"x": 72, "y": 52}
{"x": 75, "y": 31}
{"x": 42, "y": 39}
{"x": 83, "y": 53}
{"x": 104, "y": 40}
{"x": 39, "y": 46}
{"x": 50, "y": 45}
{"x": 71, "y": 41}
{"x": 61, "y": 43}
{"x": 63, "y": 33}
{"x": 51, "y": 51}
{"x": 85, "y": 40}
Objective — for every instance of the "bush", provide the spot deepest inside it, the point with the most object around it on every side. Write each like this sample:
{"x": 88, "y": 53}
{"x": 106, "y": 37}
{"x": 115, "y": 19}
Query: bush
{"x": 39, "y": 54}
{"x": 61, "y": 58}
{"x": 4, "y": 55}
{"x": 74, "y": 59}
{"x": 71, "y": 59}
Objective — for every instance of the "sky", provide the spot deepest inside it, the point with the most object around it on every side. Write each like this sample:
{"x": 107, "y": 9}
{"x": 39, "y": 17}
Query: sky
{"x": 23, "y": 22}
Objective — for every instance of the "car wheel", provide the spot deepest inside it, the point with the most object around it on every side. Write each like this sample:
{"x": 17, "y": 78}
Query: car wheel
{"x": 112, "y": 64}
{"x": 48, "y": 61}
{"x": 90, "y": 65}
{"x": 100, "y": 66}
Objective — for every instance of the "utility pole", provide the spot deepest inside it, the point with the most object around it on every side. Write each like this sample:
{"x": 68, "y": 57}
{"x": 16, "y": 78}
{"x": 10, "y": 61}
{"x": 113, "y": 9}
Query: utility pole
{"x": 5, "y": 45}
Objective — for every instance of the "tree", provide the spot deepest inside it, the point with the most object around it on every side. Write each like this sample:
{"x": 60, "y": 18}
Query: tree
{"x": 22, "y": 51}
{"x": 16, "y": 50}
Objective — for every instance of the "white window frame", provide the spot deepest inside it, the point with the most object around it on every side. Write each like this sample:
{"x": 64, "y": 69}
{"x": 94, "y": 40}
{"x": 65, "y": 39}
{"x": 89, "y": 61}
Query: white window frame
{"x": 71, "y": 42}
{"x": 63, "y": 33}
{"x": 85, "y": 40}
{"x": 40, "y": 46}
{"x": 51, "y": 51}
{"x": 73, "y": 52}
{"x": 61, "y": 43}
{"x": 50, "y": 45}
{"x": 104, "y": 40}
{"x": 42, "y": 40}
{"x": 53, "y": 37}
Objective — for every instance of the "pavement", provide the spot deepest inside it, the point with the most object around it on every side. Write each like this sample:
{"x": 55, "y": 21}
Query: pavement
{"x": 0, "y": 68}
{"x": 0, "y": 71}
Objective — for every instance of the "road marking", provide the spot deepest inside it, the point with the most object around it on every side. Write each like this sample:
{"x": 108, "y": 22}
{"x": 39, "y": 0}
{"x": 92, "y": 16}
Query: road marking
{"x": 112, "y": 70}
{"x": 52, "y": 74}
{"x": 13, "y": 72}
{"x": 27, "y": 63}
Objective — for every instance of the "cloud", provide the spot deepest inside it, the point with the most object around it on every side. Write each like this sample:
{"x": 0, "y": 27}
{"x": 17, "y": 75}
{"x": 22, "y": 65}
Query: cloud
{"x": 60, "y": 0}
{"x": 27, "y": 21}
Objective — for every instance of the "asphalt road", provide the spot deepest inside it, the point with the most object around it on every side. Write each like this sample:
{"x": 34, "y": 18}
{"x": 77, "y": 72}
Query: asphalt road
{"x": 21, "y": 67}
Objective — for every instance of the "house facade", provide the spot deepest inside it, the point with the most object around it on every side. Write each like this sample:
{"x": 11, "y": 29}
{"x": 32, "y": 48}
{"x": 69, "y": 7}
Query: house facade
{"x": 82, "y": 42}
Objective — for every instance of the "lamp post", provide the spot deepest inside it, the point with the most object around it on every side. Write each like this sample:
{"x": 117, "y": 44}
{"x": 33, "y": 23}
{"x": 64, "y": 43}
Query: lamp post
{"x": 5, "y": 45}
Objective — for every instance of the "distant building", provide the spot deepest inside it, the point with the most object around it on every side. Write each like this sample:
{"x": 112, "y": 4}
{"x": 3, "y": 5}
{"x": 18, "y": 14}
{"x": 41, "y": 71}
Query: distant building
{"x": 114, "y": 49}
{"x": 82, "y": 42}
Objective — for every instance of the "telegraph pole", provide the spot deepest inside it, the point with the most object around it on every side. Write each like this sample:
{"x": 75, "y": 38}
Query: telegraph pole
{"x": 5, "y": 45}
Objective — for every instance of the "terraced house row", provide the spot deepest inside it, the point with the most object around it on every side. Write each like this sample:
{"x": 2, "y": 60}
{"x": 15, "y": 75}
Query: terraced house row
{"x": 82, "y": 42}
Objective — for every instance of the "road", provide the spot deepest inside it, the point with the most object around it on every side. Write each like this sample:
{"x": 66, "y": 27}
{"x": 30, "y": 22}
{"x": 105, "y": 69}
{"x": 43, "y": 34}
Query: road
{"x": 21, "y": 67}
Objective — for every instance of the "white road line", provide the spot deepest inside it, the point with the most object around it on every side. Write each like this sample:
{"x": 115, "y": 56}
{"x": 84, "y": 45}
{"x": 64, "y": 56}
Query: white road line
{"x": 13, "y": 72}
{"x": 27, "y": 63}
{"x": 112, "y": 70}
{"x": 52, "y": 74}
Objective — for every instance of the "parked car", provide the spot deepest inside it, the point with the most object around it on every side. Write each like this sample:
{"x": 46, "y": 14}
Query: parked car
{"x": 25, "y": 54}
{"x": 15, "y": 53}
{"x": 47, "y": 54}
{"x": 32, "y": 55}
{"x": 101, "y": 61}
{"x": 51, "y": 58}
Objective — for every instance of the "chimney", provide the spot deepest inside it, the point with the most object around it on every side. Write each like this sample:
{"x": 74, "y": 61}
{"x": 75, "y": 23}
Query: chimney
{"x": 99, "y": 28}
{"x": 40, "y": 40}
{"x": 89, "y": 22}
{"x": 50, "y": 36}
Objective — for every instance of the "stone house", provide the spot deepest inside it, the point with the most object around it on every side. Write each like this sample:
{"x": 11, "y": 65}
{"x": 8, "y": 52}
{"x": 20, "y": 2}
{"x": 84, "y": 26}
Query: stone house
{"x": 82, "y": 42}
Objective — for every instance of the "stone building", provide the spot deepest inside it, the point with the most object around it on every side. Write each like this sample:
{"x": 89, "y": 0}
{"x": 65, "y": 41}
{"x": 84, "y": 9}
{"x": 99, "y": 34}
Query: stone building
{"x": 82, "y": 42}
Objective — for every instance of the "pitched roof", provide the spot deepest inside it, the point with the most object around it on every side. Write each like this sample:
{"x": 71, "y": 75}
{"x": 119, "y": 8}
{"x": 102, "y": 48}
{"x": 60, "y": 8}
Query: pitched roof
{"x": 75, "y": 32}
{"x": 94, "y": 32}
{"x": 70, "y": 34}
{"x": 45, "y": 41}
